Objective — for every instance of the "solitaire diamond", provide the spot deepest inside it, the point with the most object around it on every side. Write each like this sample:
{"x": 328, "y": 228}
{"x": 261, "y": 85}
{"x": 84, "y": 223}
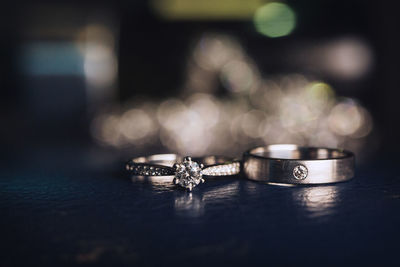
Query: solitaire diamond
{"x": 300, "y": 172}
{"x": 188, "y": 173}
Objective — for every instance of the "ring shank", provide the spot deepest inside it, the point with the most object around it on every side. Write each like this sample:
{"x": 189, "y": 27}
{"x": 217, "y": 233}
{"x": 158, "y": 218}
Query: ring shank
{"x": 159, "y": 159}
{"x": 154, "y": 165}
{"x": 277, "y": 164}
{"x": 162, "y": 165}
{"x": 170, "y": 159}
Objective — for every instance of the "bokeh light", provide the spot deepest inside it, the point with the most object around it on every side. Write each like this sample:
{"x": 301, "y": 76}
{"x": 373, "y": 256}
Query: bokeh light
{"x": 239, "y": 75}
{"x": 274, "y": 19}
{"x": 254, "y": 110}
{"x": 347, "y": 58}
{"x": 205, "y": 9}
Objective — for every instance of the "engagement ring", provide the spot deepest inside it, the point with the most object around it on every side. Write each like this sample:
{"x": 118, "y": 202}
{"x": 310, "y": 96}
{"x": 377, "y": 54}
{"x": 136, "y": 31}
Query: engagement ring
{"x": 186, "y": 172}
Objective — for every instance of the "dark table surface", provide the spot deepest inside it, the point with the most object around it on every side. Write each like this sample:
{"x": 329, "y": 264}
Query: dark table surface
{"x": 72, "y": 206}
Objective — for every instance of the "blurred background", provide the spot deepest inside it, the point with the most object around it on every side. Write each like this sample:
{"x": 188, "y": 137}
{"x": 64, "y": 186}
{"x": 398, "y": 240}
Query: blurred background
{"x": 122, "y": 78}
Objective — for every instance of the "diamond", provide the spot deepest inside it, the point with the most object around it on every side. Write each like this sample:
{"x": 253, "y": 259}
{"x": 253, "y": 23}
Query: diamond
{"x": 300, "y": 172}
{"x": 188, "y": 173}
{"x": 223, "y": 170}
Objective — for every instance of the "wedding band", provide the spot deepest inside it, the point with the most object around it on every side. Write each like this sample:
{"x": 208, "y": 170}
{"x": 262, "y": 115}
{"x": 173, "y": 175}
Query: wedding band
{"x": 186, "y": 172}
{"x": 292, "y": 164}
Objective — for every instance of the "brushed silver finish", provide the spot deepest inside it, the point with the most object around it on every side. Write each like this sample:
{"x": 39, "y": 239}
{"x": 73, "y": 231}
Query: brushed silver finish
{"x": 278, "y": 164}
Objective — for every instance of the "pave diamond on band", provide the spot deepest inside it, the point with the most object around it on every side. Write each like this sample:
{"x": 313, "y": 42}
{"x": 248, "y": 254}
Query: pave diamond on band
{"x": 223, "y": 170}
{"x": 142, "y": 169}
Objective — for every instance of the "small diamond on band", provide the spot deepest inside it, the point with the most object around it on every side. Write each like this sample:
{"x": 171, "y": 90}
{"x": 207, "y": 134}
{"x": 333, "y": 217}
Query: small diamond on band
{"x": 223, "y": 170}
{"x": 300, "y": 172}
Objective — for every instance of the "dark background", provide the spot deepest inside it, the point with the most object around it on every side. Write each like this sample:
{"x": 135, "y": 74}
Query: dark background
{"x": 64, "y": 200}
{"x": 152, "y": 47}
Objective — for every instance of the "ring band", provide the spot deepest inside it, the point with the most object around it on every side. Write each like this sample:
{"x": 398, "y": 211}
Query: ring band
{"x": 187, "y": 172}
{"x": 292, "y": 164}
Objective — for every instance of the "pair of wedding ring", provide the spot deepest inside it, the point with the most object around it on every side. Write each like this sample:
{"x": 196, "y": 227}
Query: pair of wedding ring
{"x": 275, "y": 164}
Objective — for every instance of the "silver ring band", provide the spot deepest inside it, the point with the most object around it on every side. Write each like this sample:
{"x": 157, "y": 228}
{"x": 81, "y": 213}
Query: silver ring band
{"x": 187, "y": 172}
{"x": 154, "y": 165}
{"x": 219, "y": 166}
{"x": 292, "y": 164}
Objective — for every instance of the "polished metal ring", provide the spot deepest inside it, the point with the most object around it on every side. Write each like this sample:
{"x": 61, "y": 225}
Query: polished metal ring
{"x": 292, "y": 164}
{"x": 186, "y": 172}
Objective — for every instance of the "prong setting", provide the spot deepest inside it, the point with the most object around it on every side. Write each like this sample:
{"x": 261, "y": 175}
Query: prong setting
{"x": 187, "y": 159}
{"x": 188, "y": 174}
